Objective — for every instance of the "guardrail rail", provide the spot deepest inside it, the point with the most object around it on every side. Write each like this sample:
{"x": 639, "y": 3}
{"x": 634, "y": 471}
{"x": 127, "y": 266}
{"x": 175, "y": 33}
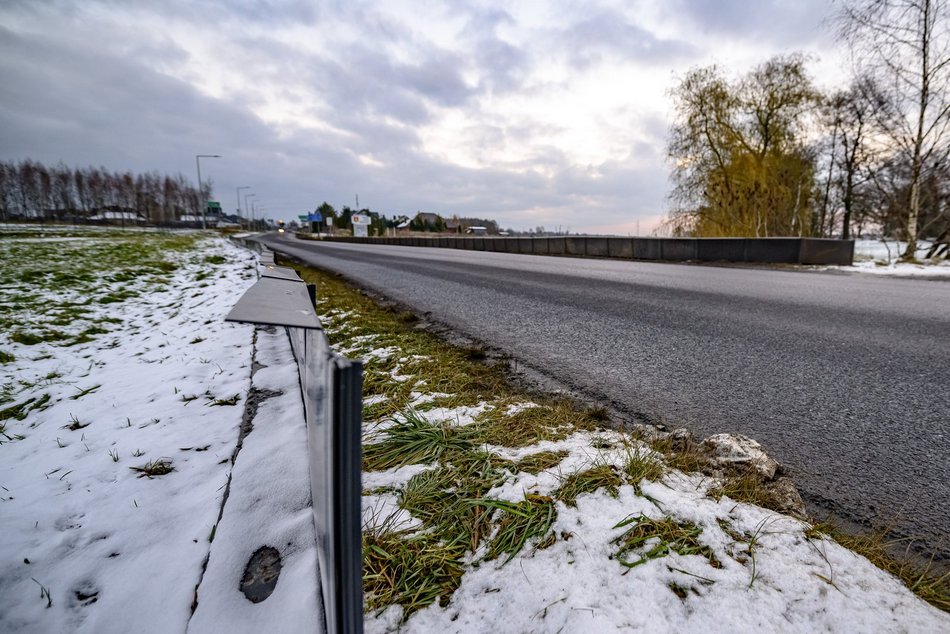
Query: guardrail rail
{"x": 331, "y": 386}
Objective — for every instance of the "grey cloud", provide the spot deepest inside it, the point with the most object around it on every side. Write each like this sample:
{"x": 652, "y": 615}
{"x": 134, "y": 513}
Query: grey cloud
{"x": 609, "y": 32}
{"x": 778, "y": 22}
{"x": 501, "y": 65}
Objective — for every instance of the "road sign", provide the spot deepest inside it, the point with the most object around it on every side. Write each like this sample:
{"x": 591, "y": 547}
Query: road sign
{"x": 359, "y": 219}
{"x": 304, "y": 216}
{"x": 315, "y": 217}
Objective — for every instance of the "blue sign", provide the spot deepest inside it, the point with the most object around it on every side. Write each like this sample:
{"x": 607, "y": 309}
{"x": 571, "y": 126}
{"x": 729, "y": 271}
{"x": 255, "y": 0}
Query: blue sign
{"x": 315, "y": 217}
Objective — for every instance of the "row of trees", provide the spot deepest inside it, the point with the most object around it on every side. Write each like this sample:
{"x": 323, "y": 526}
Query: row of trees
{"x": 768, "y": 154}
{"x": 31, "y": 190}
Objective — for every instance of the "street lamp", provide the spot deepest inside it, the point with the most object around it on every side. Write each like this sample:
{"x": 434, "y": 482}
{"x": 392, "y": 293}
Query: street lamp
{"x": 198, "y": 158}
{"x": 239, "y": 198}
{"x": 246, "y": 196}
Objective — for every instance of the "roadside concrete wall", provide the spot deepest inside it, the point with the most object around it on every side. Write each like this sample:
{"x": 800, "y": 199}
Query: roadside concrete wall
{"x": 763, "y": 250}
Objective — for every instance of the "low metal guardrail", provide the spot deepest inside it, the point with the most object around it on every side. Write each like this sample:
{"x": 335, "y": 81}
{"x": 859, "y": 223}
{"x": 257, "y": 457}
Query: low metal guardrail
{"x": 332, "y": 398}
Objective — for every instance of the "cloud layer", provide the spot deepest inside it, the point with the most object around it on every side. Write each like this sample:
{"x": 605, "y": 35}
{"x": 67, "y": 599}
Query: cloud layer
{"x": 531, "y": 114}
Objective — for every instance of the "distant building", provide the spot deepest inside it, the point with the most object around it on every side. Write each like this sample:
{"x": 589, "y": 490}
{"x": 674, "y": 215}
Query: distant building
{"x": 118, "y": 216}
{"x": 476, "y": 230}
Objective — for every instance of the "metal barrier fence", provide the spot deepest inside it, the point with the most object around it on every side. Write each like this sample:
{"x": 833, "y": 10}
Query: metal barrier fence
{"x": 332, "y": 398}
{"x": 764, "y": 250}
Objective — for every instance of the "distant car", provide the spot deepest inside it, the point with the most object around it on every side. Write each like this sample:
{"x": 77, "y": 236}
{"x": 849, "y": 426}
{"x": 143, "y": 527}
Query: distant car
{"x": 280, "y": 226}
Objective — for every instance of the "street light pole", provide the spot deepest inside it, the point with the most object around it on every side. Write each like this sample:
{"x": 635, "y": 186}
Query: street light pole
{"x": 198, "y": 158}
{"x": 239, "y": 199}
{"x": 246, "y": 196}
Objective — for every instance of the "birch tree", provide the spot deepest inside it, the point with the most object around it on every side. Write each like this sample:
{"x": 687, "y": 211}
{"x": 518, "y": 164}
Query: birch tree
{"x": 905, "y": 46}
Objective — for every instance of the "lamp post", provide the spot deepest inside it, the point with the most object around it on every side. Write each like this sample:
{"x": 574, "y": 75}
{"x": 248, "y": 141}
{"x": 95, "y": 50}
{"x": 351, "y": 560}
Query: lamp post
{"x": 246, "y": 196}
{"x": 239, "y": 198}
{"x": 198, "y": 158}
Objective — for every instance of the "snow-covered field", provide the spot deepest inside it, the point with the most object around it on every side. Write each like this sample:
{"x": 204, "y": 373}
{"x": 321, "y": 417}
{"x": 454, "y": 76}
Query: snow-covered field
{"x": 880, "y": 257}
{"x": 123, "y": 393}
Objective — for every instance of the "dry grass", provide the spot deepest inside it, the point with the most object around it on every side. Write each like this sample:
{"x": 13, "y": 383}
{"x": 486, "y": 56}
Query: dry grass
{"x": 154, "y": 468}
{"x": 413, "y": 571}
{"x": 541, "y": 461}
{"x": 893, "y": 555}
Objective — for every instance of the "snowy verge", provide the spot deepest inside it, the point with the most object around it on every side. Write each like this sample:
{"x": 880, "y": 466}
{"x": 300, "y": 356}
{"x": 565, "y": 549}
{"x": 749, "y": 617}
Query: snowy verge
{"x": 269, "y": 505}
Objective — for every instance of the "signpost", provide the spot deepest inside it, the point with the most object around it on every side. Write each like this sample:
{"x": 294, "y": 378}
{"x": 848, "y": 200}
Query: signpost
{"x": 360, "y": 225}
{"x": 315, "y": 218}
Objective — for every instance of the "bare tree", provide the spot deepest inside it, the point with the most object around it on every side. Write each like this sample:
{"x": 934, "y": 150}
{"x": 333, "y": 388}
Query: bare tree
{"x": 856, "y": 117}
{"x": 905, "y": 45}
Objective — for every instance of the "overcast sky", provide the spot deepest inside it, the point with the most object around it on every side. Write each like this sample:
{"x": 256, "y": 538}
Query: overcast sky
{"x": 531, "y": 113}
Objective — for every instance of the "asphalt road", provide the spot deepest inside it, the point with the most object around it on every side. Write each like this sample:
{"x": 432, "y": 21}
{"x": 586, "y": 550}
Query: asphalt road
{"x": 843, "y": 378}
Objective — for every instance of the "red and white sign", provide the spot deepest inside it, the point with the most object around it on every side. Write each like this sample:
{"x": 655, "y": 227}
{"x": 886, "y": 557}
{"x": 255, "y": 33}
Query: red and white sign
{"x": 358, "y": 219}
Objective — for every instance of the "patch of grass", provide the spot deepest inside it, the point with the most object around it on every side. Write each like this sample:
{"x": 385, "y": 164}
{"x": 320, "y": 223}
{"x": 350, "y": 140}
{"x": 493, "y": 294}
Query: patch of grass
{"x": 541, "y": 461}
{"x": 687, "y": 459}
{"x": 154, "y": 468}
{"x": 553, "y": 421}
{"x": 447, "y": 498}
{"x": 21, "y": 410}
{"x": 648, "y": 539}
{"x": 642, "y": 464}
{"x": 601, "y": 476}
{"x": 196, "y": 340}
{"x": 215, "y": 259}
{"x": 413, "y": 440}
{"x": 746, "y": 486}
{"x": 413, "y": 572}
{"x": 26, "y": 338}
{"x": 6, "y": 357}
{"x": 520, "y": 523}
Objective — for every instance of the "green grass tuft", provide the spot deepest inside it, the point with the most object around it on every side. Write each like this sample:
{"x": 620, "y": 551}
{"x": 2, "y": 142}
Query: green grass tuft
{"x": 601, "y": 476}
{"x": 649, "y": 539}
{"x": 413, "y": 440}
{"x": 520, "y": 523}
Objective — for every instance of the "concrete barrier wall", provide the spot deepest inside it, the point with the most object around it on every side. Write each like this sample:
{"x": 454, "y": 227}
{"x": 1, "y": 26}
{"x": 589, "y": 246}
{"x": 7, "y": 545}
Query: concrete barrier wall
{"x": 766, "y": 250}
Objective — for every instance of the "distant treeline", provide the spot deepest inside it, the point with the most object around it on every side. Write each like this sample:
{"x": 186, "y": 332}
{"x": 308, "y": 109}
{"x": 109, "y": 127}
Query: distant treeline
{"x": 30, "y": 190}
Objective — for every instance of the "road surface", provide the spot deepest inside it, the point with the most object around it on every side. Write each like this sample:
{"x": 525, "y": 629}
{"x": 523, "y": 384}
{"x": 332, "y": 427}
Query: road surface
{"x": 843, "y": 378}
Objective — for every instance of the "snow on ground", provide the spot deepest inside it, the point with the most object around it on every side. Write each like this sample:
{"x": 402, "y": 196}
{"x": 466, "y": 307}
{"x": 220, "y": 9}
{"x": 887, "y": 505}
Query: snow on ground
{"x": 129, "y": 364}
{"x": 776, "y": 580}
{"x": 880, "y": 257}
{"x": 269, "y": 504}
{"x": 575, "y": 586}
